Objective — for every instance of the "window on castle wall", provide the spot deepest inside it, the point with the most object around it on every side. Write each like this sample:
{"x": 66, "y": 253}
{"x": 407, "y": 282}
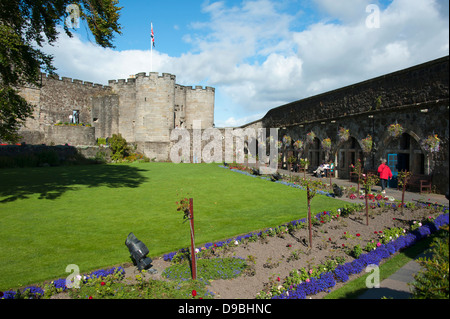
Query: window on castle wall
{"x": 419, "y": 162}
{"x": 353, "y": 142}
{"x": 405, "y": 141}
{"x": 342, "y": 160}
{"x": 75, "y": 116}
{"x": 316, "y": 144}
{"x": 352, "y": 158}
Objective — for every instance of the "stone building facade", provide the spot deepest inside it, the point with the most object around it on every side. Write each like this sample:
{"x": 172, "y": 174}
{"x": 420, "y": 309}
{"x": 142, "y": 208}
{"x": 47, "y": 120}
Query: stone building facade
{"x": 143, "y": 109}
{"x": 417, "y": 98}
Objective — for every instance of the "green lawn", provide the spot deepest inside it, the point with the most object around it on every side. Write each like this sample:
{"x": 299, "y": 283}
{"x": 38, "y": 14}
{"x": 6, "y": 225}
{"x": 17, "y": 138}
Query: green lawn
{"x": 55, "y": 216}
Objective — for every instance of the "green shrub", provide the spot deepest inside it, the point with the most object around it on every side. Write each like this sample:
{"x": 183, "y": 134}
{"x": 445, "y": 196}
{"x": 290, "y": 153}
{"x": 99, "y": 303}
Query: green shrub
{"x": 119, "y": 147}
{"x": 356, "y": 252}
{"x": 101, "y": 141}
{"x": 432, "y": 282}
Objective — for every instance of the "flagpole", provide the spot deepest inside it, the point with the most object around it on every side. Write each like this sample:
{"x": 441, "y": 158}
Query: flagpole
{"x": 151, "y": 49}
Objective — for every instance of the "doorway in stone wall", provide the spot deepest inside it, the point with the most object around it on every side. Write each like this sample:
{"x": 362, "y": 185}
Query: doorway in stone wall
{"x": 406, "y": 154}
{"x": 347, "y": 155}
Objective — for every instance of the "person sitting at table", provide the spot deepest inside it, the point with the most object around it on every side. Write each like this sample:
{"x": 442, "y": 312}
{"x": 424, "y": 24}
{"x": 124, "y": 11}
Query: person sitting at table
{"x": 320, "y": 171}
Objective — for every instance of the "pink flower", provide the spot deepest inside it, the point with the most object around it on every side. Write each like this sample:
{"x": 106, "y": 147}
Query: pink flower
{"x": 378, "y": 244}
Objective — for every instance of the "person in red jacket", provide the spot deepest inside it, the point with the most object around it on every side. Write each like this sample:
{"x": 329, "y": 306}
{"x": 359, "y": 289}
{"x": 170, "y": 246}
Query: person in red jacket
{"x": 385, "y": 174}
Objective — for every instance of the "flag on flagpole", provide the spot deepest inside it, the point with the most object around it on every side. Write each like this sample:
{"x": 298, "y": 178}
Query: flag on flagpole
{"x": 153, "y": 36}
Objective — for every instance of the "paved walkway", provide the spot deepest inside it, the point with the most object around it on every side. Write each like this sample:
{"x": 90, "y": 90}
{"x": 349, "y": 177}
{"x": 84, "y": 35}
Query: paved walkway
{"x": 396, "y": 286}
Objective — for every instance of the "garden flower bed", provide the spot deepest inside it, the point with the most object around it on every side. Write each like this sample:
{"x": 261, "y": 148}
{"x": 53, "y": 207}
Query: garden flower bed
{"x": 280, "y": 265}
{"x": 284, "y": 267}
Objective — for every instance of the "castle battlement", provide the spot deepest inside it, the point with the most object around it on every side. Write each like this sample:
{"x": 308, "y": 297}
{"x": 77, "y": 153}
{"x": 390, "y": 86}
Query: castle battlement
{"x": 195, "y": 88}
{"x": 65, "y": 79}
{"x": 151, "y": 75}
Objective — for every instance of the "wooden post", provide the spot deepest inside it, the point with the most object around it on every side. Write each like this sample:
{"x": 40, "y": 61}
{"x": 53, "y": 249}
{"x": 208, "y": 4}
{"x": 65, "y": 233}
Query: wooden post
{"x": 359, "y": 176}
{"x": 367, "y": 206}
{"x": 331, "y": 185}
{"x": 193, "y": 256}
{"x": 309, "y": 216}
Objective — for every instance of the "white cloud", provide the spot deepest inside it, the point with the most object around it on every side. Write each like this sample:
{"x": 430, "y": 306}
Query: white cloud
{"x": 251, "y": 55}
{"x": 333, "y": 55}
{"x": 235, "y": 122}
{"x": 347, "y": 11}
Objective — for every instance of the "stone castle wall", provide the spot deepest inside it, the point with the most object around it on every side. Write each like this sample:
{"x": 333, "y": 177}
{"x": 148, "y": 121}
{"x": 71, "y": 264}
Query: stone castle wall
{"x": 54, "y": 102}
{"x": 417, "y": 98}
{"x": 418, "y": 84}
{"x": 143, "y": 108}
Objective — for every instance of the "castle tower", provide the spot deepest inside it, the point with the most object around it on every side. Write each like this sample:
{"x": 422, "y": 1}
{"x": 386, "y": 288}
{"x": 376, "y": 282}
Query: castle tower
{"x": 146, "y": 106}
{"x": 152, "y": 105}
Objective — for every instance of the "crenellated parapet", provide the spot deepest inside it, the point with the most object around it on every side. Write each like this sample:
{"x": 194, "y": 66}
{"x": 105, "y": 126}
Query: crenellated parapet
{"x": 142, "y": 75}
{"x": 49, "y": 78}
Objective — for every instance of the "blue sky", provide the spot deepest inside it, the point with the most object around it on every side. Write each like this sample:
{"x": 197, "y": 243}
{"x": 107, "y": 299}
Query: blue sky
{"x": 259, "y": 54}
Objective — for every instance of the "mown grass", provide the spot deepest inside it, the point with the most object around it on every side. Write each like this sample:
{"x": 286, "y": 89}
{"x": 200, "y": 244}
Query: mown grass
{"x": 51, "y": 217}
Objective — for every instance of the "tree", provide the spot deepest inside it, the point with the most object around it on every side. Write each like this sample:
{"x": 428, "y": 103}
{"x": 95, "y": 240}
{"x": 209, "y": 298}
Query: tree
{"x": 403, "y": 179}
{"x": 25, "y": 25}
{"x": 369, "y": 180}
{"x": 311, "y": 190}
